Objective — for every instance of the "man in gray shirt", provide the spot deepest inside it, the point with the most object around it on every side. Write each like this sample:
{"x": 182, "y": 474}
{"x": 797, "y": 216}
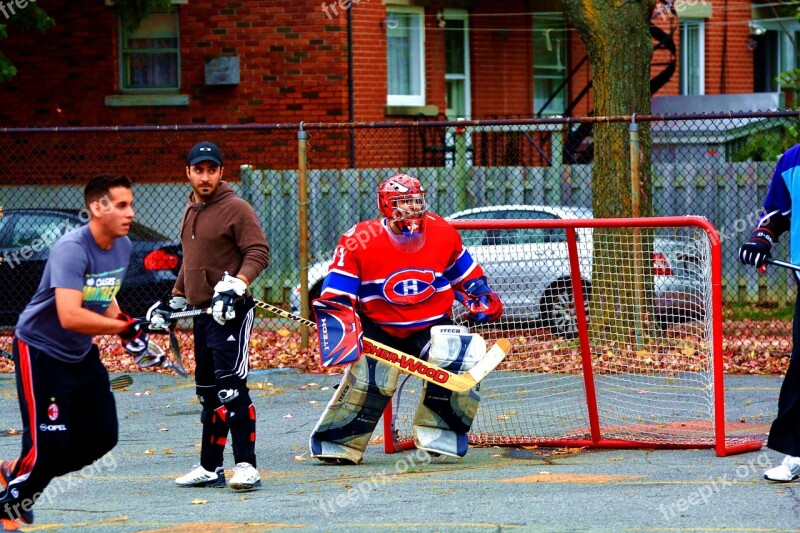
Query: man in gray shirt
{"x": 68, "y": 412}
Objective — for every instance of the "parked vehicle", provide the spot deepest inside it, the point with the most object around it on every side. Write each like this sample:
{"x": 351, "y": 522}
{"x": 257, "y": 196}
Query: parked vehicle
{"x": 26, "y": 236}
{"x": 530, "y": 270}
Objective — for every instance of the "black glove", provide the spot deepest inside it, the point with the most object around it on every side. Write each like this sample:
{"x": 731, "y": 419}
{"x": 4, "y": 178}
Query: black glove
{"x": 133, "y": 337}
{"x": 757, "y": 248}
{"x": 159, "y": 312}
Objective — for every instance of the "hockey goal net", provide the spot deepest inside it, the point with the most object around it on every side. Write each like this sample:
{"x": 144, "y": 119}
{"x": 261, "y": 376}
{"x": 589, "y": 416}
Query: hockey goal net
{"x": 615, "y": 326}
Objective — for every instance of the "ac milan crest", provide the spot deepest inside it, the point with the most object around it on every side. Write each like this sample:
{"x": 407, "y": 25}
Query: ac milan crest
{"x": 52, "y": 411}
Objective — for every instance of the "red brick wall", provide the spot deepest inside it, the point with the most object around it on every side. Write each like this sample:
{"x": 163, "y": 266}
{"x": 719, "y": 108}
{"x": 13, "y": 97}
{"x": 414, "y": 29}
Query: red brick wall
{"x": 733, "y": 73}
{"x": 502, "y": 62}
{"x": 293, "y": 65}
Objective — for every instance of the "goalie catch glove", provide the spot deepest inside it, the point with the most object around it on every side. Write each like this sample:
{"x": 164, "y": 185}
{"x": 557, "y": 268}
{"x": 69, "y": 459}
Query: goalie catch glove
{"x": 133, "y": 337}
{"x": 226, "y": 292}
{"x": 158, "y": 314}
{"x": 482, "y": 303}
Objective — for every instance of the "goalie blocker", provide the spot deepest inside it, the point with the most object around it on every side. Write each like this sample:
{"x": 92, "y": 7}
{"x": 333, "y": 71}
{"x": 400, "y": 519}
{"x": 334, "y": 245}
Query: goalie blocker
{"x": 339, "y": 331}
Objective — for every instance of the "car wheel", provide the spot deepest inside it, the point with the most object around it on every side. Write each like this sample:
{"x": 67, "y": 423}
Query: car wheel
{"x": 558, "y": 308}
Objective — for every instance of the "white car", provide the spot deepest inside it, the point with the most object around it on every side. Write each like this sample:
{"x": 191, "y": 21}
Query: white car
{"x": 529, "y": 268}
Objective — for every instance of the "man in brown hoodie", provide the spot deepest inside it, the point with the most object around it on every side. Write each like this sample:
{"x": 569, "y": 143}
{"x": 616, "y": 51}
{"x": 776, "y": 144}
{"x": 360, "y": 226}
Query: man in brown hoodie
{"x": 224, "y": 250}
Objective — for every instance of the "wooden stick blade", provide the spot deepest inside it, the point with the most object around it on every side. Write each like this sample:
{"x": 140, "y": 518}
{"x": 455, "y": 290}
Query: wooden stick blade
{"x": 121, "y": 382}
{"x": 175, "y": 348}
{"x": 490, "y": 361}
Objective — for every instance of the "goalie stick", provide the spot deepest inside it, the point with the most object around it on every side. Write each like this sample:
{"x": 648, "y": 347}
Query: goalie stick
{"x": 413, "y": 365}
{"x": 118, "y": 383}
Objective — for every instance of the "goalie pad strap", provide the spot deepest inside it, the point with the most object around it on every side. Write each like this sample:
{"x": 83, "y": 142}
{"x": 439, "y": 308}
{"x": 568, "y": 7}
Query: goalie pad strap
{"x": 339, "y": 331}
{"x": 344, "y": 429}
{"x": 444, "y": 418}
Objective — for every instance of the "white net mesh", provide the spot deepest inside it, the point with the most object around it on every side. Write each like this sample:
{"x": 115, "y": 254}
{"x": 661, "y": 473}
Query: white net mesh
{"x": 648, "y": 343}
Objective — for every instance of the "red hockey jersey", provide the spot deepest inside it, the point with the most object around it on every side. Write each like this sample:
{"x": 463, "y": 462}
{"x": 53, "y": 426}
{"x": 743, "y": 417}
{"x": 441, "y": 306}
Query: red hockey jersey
{"x": 402, "y": 292}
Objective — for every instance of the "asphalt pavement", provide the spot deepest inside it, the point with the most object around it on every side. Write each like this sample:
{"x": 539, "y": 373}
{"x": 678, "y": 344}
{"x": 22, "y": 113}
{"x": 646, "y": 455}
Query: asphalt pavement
{"x": 492, "y": 489}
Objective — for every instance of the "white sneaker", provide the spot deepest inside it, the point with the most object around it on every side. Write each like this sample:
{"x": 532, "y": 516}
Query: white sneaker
{"x": 200, "y": 477}
{"x": 245, "y": 477}
{"x": 788, "y": 470}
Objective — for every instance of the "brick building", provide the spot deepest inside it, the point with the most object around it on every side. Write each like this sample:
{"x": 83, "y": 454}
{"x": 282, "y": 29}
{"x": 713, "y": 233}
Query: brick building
{"x": 283, "y": 61}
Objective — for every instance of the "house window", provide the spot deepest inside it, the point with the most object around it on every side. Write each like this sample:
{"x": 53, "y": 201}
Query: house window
{"x": 692, "y": 61}
{"x": 405, "y": 46}
{"x": 549, "y": 63}
{"x": 150, "y": 54}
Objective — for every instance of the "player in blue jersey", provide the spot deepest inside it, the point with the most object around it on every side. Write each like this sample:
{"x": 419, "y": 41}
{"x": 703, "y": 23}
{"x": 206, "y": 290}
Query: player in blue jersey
{"x": 784, "y": 435}
{"x": 69, "y": 417}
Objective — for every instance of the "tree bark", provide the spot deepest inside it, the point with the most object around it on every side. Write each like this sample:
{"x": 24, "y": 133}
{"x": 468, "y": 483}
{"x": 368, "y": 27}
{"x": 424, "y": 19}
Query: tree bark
{"x": 617, "y": 38}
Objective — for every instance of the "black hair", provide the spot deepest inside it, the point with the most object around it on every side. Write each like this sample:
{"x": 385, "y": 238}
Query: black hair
{"x": 99, "y": 186}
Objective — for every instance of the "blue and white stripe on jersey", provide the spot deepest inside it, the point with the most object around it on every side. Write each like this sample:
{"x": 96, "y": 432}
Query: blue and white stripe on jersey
{"x": 462, "y": 267}
{"x": 341, "y": 283}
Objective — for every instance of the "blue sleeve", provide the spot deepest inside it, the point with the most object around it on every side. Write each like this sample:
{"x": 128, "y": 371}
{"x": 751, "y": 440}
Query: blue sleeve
{"x": 68, "y": 264}
{"x": 784, "y": 179}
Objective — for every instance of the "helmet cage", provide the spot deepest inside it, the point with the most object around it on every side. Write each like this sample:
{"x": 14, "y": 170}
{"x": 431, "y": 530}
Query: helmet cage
{"x": 408, "y": 213}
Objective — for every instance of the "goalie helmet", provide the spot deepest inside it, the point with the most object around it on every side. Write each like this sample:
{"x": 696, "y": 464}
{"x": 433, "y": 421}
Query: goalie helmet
{"x": 402, "y": 200}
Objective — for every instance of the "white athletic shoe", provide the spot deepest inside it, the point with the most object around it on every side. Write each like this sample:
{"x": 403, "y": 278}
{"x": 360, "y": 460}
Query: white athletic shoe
{"x": 788, "y": 470}
{"x": 245, "y": 477}
{"x": 200, "y": 477}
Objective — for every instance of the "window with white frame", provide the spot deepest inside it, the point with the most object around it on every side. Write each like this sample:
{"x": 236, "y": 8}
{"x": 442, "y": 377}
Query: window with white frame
{"x": 692, "y": 57}
{"x": 549, "y": 63}
{"x": 405, "y": 55}
{"x": 150, "y": 54}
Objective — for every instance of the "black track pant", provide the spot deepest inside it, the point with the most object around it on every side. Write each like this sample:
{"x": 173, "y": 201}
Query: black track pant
{"x": 69, "y": 420}
{"x": 784, "y": 436}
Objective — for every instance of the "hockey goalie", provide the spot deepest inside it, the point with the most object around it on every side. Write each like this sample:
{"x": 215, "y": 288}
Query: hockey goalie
{"x": 394, "y": 280}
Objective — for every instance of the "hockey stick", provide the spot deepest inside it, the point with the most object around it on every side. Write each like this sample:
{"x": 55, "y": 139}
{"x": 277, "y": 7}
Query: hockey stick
{"x": 174, "y": 345}
{"x": 413, "y": 365}
{"x": 783, "y": 264}
{"x": 118, "y": 383}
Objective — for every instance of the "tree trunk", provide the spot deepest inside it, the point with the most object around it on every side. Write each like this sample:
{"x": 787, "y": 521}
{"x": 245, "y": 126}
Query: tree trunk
{"x": 617, "y": 38}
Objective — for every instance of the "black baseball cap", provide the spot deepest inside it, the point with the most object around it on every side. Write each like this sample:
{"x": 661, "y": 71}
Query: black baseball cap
{"x": 204, "y": 151}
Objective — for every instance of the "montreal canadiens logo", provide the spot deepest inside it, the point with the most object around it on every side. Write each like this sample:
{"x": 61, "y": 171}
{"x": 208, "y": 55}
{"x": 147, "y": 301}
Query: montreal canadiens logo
{"x": 409, "y": 287}
{"x": 52, "y": 411}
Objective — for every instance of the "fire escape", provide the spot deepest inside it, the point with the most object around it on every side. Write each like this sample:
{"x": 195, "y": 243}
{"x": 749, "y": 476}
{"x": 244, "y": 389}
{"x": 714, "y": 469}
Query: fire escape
{"x": 578, "y": 147}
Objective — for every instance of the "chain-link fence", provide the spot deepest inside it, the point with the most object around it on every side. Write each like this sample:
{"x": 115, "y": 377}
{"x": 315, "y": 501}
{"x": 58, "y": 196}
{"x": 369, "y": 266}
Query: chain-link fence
{"x": 718, "y": 166}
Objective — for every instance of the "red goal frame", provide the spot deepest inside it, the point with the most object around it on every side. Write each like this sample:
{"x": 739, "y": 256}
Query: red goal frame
{"x": 723, "y": 445}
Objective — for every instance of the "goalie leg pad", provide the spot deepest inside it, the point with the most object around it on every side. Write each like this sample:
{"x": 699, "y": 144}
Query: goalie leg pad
{"x": 344, "y": 429}
{"x": 443, "y": 418}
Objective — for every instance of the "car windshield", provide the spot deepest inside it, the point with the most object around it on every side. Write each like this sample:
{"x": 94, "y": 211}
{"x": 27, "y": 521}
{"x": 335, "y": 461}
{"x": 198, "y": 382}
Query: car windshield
{"x": 143, "y": 233}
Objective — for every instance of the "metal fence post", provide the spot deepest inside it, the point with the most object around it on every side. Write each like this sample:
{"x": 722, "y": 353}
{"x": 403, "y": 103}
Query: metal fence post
{"x": 302, "y": 185}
